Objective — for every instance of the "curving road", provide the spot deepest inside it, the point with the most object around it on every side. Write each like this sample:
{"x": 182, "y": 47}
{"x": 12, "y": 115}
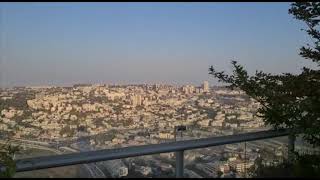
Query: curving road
{"x": 94, "y": 171}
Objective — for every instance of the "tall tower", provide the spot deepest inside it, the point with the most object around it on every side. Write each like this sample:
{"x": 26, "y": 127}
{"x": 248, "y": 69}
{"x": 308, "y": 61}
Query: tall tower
{"x": 205, "y": 86}
{"x": 133, "y": 100}
{"x": 156, "y": 87}
{"x": 136, "y": 100}
{"x": 139, "y": 99}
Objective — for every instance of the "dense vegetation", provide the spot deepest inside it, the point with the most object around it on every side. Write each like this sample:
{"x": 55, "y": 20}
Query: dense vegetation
{"x": 288, "y": 100}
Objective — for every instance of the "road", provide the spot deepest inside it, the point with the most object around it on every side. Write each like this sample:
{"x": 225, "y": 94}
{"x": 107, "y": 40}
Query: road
{"x": 35, "y": 146}
{"x": 94, "y": 171}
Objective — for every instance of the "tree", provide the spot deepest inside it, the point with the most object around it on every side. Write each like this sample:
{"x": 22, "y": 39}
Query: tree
{"x": 305, "y": 166}
{"x": 7, "y": 152}
{"x": 287, "y": 100}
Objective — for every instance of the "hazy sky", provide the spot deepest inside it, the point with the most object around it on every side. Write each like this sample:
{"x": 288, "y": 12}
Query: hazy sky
{"x": 67, "y": 43}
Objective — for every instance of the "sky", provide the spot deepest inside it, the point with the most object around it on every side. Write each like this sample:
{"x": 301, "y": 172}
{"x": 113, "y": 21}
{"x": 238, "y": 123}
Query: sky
{"x": 127, "y": 43}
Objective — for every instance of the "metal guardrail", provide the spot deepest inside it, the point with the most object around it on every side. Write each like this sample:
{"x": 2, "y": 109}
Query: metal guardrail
{"x": 178, "y": 147}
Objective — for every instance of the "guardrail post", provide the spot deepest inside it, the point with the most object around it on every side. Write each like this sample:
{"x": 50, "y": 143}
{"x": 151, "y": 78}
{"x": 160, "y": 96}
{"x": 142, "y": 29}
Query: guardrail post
{"x": 291, "y": 142}
{"x": 179, "y": 164}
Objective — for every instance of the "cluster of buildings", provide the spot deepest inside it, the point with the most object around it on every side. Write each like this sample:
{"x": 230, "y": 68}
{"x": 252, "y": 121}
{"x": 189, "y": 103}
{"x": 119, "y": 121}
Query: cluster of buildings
{"x": 135, "y": 114}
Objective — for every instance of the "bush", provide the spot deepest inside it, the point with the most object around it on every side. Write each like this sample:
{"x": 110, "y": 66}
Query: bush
{"x": 7, "y": 152}
{"x": 302, "y": 166}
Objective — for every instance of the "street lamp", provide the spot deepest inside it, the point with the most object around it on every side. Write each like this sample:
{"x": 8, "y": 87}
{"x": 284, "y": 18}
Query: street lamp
{"x": 180, "y": 129}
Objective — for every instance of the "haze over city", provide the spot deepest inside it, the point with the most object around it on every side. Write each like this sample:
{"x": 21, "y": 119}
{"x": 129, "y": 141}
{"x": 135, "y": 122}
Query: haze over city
{"x": 159, "y": 90}
{"x": 126, "y": 43}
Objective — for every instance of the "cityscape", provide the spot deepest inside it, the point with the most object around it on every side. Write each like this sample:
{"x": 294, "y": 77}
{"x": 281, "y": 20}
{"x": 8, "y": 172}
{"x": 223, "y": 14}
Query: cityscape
{"x": 90, "y": 117}
{"x": 159, "y": 90}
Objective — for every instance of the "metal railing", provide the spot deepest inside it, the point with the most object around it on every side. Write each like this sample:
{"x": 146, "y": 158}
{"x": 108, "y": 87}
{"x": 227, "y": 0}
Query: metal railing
{"x": 178, "y": 147}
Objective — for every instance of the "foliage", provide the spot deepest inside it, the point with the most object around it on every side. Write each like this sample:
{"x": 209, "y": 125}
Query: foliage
{"x": 288, "y": 100}
{"x": 7, "y": 152}
{"x": 304, "y": 166}
{"x": 18, "y": 101}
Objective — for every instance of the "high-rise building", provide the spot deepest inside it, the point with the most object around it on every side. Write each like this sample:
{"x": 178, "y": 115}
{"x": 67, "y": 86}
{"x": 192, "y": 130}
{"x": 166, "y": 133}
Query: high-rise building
{"x": 136, "y": 100}
{"x": 139, "y": 100}
{"x": 145, "y": 102}
{"x": 205, "y": 86}
{"x": 156, "y": 87}
{"x": 188, "y": 89}
{"x": 199, "y": 90}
